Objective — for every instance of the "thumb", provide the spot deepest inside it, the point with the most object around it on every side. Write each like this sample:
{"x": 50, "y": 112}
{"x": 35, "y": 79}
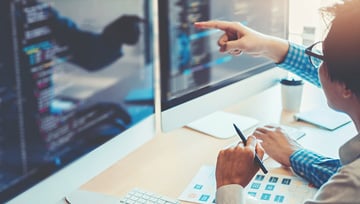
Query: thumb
{"x": 235, "y": 44}
{"x": 255, "y": 146}
{"x": 260, "y": 150}
{"x": 251, "y": 143}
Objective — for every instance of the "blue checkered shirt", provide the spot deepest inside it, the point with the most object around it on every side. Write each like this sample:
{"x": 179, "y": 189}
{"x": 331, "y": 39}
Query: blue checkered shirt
{"x": 315, "y": 168}
{"x": 297, "y": 62}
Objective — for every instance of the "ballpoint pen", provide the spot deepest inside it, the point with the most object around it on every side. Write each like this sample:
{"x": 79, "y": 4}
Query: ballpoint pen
{"x": 257, "y": 160}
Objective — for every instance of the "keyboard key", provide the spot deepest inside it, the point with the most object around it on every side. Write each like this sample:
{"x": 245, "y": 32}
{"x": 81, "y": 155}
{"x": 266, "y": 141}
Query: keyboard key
{"x": 143, "y": 197}
{"x": 292, "y": 132}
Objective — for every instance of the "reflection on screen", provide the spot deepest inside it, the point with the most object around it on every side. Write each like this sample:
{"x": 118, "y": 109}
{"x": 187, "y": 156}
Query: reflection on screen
{"x": 194, "y": 65}
{"x": 73, "y": 74}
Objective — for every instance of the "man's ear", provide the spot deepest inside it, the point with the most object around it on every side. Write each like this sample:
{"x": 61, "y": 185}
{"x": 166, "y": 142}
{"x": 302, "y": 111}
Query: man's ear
{"x": 346, "y": 92}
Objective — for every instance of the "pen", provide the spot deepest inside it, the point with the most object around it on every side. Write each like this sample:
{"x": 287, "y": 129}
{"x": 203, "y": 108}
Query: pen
{"x": 257, "y": 160}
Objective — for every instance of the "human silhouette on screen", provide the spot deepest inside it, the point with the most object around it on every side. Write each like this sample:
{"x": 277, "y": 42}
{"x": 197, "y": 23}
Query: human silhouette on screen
{"x": 89, "y": 50}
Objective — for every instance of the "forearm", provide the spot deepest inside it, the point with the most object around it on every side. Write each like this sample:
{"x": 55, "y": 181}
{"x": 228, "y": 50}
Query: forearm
{"x": 289, "y": 56}
{"x": 275, "y": 48}
{"x": 297, "y": 62}
{"x": 313, "y": 167}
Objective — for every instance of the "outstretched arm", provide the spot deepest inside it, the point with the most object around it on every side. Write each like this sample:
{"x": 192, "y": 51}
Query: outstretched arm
{"x": 239, "y": 38}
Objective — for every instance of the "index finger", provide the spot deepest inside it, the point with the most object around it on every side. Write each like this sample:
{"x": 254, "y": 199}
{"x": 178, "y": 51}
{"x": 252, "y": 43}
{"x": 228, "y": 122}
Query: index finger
{"x": 222, "y": 25}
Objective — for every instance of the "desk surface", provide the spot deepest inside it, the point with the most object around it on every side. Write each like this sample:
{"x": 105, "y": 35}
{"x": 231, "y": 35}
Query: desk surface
{"x": 167, "y": 163}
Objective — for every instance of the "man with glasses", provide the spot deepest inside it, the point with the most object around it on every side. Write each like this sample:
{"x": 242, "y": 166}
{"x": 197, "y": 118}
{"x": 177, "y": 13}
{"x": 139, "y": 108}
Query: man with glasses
{"x": 333, "y": 64}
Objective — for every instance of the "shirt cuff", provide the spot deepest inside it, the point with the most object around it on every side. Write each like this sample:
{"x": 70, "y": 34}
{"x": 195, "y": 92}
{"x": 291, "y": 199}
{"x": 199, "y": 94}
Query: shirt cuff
{"x": 294, "y": 50}
{"x": 295, "y": 157}
{"x": 230, "y": 194}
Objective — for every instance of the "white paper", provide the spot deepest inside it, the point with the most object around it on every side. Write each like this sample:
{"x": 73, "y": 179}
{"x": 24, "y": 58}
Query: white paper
{"x": 269, "y": 188}
{"x": 220, "y": 124}
{"x": 324, "y": 117}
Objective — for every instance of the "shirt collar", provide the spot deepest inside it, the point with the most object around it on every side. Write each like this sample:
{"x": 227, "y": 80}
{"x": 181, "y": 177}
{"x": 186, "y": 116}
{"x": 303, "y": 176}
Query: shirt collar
{"x": 350, "y": 151}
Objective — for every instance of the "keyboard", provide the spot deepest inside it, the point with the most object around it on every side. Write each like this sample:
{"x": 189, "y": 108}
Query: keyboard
{"x": 139, "y": 196}
{"x": 293, "y": 132}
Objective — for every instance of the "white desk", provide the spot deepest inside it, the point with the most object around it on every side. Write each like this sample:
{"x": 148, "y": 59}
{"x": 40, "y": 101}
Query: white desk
{"x": 167, "y": 163}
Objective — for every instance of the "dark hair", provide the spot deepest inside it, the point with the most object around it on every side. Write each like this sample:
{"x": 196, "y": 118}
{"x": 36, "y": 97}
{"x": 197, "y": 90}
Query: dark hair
{"x": 342, "y": 44}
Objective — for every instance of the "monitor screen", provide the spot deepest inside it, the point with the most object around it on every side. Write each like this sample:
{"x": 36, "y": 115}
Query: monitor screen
{"x": 74, "y": 75}
{"x": 191, "y": 65}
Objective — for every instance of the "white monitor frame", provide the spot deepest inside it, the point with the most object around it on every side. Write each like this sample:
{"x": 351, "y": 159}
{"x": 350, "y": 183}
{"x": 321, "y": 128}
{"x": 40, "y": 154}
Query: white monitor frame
{"x": 188, "y": 110}
{"x": 54, "y": 188}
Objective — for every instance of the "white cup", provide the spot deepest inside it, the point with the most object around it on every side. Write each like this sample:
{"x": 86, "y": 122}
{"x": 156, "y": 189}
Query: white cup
{"x": 291, "y": 94}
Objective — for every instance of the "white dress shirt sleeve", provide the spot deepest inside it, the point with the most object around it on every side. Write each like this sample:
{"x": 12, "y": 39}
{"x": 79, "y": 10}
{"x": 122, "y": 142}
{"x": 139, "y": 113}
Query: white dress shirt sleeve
{"x": 233, "y": 194}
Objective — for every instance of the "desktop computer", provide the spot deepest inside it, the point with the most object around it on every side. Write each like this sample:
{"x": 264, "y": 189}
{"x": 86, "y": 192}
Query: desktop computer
{"x": 67, "y": 69}
{"x": 196, "y": 80}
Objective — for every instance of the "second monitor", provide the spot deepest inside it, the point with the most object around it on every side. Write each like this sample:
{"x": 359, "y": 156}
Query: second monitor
{"x": 196, "y": 79}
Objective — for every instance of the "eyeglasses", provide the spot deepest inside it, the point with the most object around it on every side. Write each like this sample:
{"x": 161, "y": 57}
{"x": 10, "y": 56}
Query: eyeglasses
{"x": 315, "y": 52}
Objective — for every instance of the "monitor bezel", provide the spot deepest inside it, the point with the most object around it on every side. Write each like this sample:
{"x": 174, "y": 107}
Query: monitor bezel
{"x": 268, "y": 75}
{"x": 57, "y": 186}
{"x": 54, "y": 186}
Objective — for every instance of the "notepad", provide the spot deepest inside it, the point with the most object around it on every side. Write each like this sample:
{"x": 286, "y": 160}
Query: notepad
{"x": 324, "y": 118}
{"x": 89, "y": 197}
{"x": 219, "y": 124}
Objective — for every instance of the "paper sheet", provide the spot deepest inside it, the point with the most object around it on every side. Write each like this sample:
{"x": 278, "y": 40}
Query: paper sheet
{"x": 269, "y": 188}
{"x": 219, "y": 124}
{"x": 324, "y": 118}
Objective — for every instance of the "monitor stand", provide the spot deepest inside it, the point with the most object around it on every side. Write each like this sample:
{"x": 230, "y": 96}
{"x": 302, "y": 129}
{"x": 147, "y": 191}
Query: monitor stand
{"x": 83, "y": 196}
{"x": 220, "y": 124}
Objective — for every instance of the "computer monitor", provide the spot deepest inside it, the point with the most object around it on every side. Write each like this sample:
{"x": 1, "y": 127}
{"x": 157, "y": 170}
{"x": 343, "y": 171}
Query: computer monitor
{"x": 74, "y": 77}
{"x": 195, "y": 78}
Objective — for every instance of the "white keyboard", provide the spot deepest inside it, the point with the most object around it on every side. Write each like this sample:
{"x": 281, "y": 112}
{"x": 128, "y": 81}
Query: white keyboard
{"x": 137, "y": 196}
{"x": 293, "y": 132}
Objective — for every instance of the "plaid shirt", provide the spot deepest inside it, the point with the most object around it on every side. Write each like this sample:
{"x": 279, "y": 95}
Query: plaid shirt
{"x": 315, "y": 168}
{"x": 297, "y": 62}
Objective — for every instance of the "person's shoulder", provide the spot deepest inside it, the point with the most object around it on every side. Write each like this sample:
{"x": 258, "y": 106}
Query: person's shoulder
{"x": 350, "y": 172}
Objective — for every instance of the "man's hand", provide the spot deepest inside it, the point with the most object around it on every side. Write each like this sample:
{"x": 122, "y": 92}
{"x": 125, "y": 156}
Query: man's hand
{"x": 236, "y": 165}
{"x": 277, "y": 144}
{"x": 238, "y": 38}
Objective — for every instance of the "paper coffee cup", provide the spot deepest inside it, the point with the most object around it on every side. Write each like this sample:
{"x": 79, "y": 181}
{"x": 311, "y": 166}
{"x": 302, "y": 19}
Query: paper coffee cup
{"x": 291, "y": 94}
